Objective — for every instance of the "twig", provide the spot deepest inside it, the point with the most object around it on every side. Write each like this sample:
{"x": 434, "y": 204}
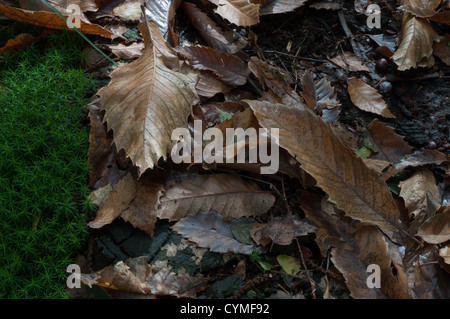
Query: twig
{"x": 311, "y": 282}
{"x": 284, "y": 197}
{"x": 294, "y": 56}
{"x": 349, "y": 33}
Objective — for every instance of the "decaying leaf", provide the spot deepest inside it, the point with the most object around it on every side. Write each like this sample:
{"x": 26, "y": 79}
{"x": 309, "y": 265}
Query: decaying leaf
{"x": 209, "y": 230}
{"x": 289, "y": 264}
{"x": 367, "y": 98}
{"x": 21, "y": 41}
{"x": 326, "y": 5}
{"x": 281, "y": 6}
{"x": 118, "y": 200}
{"x": 353, "y": 248}
{"x": 354, "y": 187}
{"x": 240, "y": 12}
{"x": 162, "y": 12}
{"x": 351, "y": 61}
{"x": 281, "y": 230}
{"x": 145, "y": 101}
{"x": 421, "y": 197}
{"x": 127, "y": 52}
{"x": 129, "y": 10}
{"x": 136, "y": 276}
{"x": 416, "y": 42}
{"x": 50, "y": 20}
{"x": 229, "y": 68}
{"x": 441, "y": 48}
{"x": 391, "y": 146}
{"x": 436, "y": 229}
{"x": 210, "y": 32}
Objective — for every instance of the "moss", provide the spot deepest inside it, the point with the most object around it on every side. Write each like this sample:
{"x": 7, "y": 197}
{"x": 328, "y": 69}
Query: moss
{"x": 43, "y": 165}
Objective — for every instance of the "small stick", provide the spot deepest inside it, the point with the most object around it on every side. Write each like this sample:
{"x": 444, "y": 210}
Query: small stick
{"x": 348, "y": 33}
{"x": 284, "y": 197}
{"x": 311, "y": 282}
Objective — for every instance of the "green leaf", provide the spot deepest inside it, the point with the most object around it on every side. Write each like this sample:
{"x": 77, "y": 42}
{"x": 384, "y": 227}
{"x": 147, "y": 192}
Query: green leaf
{"x": 289, "y": 264}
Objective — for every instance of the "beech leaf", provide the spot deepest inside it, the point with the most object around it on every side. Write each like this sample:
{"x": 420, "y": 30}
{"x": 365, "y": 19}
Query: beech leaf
{"x": 436, "y": 229}
{"x": 240, "y": 12}
{"x": 281, "y": 6}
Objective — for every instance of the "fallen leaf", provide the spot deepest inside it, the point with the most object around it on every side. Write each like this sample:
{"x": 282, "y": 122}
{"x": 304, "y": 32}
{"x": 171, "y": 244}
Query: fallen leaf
{"x": 207, "y": 84}
{"x": 416, "y": 42}
{"x": 441, "y": 17}
{"x": 384, "y": 40}
{"x": 441, "y": 48}
{"x": 229, "y": 68}
{"x": 240, "y": 12}
{"x": 229, "y": 195}
{"x": 118, "y": 200}
{"x": 209, "y": 230}
{"x": 377, "y": 165}
{"x": 353, "y": 248}
{"x": 210, "y": 32}
{"x": 354, "y": 187}
{"x": 289, "y": 264}
{"x": 326, "y": 5}
{"x": 391, "y": 146}
{"x": 281, "y": 230}
{"x": 436, "y": 229}
{"x": 50, "y": 20}
{"x": 367, "y": 98}
{"x": 129, "y": 10}
{"x": 145, "y": 101}
{"x": 281, "y": 6}
{"x": 351, "y": 61}
{"x": 162, "y": 12}
{"x": 129, "y": 52}
{"x": 444, "y": 253}
{"x": 21, "y": 41}
{"x": 136, "y": 276}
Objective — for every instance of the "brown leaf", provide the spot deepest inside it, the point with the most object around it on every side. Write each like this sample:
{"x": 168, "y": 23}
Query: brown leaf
{"x": 212, "y": 114}
{"x": 281, "y": 6}
{"x": 417, "y": 159}
{"x": 367, "y": 98}
{"x": 354, "y": 187}
{"x": 240, "y": 12}
{"x": 136, "y": 276}
{"x": 326, "y": 5}
{"x": 377, "y": 165}
{"x": 416, "y": 42}
{"x": 436, "y": 229}
{"x": 210, "y": 32}
{"x": 145, "y": 101}
{"x": 162, "y": 12}
{"x": 441, "y": 48}
{"x": 229, "y": 195}
{"x": 207, "y": 84}
{"x": 209, "y": 230}
{"x": 441, "y": 17}
{"x": 229, "y": 68}
{"x": 129, "y": 52}
{"x": 281, "y": 230}
{"x": 391, "y": 146}
{"x": 50, "y": 20}
{"x": 351, "y": 61}
{"x": 21, "y": 41}
{"x": 354, "y": 247}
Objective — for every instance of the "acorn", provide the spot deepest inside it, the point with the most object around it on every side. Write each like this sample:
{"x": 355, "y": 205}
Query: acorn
{"x": 382, "y": 65}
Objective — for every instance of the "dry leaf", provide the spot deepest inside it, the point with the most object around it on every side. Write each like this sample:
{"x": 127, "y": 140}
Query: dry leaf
{"x": 21, "y": 41}
{"x": 391, "y": 146}
{"x": 129, "y": 10}
{"x": 229, "y": 68}
{"x": 326, "y": 5}
{"x": 377, "y": 165}
{"x": 210, "y": 32}
{"x": 50, "y": 20}
{"x": 384, "y": 40}
{"x": 354, "y": 248}
{"x": 416, "y": 42}
{"x": 441, "y": 17}
{"x": 441, "y": 48}
{"x": 136, "y": 276}
{"x": 281, "y": 230}
{"x": 367, "y": 98}
{"x": 118, "y": 200}
{"x": 240, "y": 12}
{"x": 162, "y": 12}
{"x": 351, "y": 61}
{"x": 354, "y": 187}
{"x": 229, "y": 195}
{"x": 207, "y": 84}
{"x": 281, "y": 6}
{"x": 421, "y": 197}
{"x": 131, "y": 51}
{"x": 436, "y": 229}
{"x": 145, "y": 101}
{"x": 209, "y": 230}
{"x": 445, "y": 254}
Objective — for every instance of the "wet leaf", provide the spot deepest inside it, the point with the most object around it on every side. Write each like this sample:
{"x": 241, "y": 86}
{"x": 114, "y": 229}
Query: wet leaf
{"x": 145, "y": 101}
{"x": 354, "y": 187}
{"x": 240, "y": 12}
{"x": 416, "y": 42}
{"x": 281, "y": 6}
{"x": 162, "y": 12}
{"x": 129, "y": 52}
{"x": 436, "y": 229}
{"x": 209, "y": 230}
{"x": 391, "y": 146}
{"x": 240, "y": 228}
{"x": 367, "y": 98}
